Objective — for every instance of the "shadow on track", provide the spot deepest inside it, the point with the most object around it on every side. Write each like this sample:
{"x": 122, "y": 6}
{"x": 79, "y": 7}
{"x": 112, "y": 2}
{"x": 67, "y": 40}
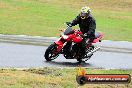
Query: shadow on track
{"x": 68, "y": 64}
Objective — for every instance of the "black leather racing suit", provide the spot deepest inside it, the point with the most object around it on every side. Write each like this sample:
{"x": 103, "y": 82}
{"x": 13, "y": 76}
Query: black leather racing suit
{"x": 87, "y": 27}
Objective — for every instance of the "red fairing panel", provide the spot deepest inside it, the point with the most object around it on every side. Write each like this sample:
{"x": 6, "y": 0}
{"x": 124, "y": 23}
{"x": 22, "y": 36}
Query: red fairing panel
{"x": 97, "y": 39}
{"x": 60, "y": 45}
{"x": 77, "y": 39}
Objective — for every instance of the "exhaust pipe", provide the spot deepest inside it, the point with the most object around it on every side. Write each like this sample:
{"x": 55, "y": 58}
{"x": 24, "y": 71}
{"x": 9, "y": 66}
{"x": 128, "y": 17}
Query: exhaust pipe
{"x": 95, "y": 49}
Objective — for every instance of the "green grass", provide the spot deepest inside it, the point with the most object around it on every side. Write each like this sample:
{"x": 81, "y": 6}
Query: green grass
{"x": 53, "y": 78}
{"x": 46, "y": 17}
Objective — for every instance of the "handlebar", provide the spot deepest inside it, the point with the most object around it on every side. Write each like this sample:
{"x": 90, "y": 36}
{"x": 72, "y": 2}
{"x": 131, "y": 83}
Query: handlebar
{"x": 68, "y": 24}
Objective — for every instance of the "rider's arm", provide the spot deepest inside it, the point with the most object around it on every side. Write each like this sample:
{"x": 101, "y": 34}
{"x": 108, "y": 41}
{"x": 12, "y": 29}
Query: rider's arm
{"x": 92, "y": 27}
{"x": 75, "y": 21}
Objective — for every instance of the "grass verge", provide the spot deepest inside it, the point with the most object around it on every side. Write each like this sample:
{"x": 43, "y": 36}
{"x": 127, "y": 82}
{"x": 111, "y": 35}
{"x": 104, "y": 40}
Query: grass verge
{"x": 46, "y": 17}
{"x": 53, "y": 78}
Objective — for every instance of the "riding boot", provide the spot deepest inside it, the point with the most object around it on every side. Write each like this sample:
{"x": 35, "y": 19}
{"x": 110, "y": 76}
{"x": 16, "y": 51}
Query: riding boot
{"x": 85, "y": 42}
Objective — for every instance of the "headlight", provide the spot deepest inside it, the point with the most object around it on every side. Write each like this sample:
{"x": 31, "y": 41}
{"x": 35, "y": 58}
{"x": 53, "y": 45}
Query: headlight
{"x": 64, "y": 36}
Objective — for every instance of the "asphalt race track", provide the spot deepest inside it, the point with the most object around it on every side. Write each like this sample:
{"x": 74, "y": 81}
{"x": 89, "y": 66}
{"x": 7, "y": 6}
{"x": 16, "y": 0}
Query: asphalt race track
{"x": 30, "y": 56}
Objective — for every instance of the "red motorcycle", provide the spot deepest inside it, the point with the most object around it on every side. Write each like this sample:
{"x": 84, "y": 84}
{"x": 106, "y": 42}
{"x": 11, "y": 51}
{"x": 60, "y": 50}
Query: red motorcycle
{"x": 69, "y": 44}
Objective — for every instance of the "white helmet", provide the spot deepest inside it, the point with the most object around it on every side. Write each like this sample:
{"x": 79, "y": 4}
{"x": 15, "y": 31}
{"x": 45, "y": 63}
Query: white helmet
{"x": 85, "y": 11}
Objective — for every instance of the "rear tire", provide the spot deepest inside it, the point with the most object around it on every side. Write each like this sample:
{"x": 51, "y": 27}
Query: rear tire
{"x": 79, "y": 60}
{"x": 50, "y": 53}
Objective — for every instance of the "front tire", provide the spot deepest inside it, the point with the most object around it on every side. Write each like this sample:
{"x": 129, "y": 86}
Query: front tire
{"x": 51, "y": 53}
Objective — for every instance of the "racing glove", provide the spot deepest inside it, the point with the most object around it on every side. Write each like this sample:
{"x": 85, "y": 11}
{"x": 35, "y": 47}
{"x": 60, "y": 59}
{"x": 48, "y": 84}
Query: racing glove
{"x": 69, "y": 24}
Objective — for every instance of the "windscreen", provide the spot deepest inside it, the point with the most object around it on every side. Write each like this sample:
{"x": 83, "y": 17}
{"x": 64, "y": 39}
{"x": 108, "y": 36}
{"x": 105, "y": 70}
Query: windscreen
{"x": 68, "y": 31}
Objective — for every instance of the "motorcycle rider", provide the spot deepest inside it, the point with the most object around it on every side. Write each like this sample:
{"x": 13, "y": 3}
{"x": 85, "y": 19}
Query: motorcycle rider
{"x": 87, "y": 25}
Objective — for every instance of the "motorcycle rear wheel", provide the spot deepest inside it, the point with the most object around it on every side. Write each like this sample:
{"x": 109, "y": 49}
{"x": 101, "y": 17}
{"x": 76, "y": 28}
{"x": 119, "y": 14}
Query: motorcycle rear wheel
{"x": 50, "y": 53}
{"x": 79, "y": 60}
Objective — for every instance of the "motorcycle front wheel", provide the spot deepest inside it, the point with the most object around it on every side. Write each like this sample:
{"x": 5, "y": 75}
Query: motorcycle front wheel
{"x": 51, "y": 53}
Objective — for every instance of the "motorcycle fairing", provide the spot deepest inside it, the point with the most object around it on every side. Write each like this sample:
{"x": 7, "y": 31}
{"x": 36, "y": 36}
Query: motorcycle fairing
{"x": 98, "y": 37}
{"x": 59, "y": 45}
{"x": 77, "y": 39}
